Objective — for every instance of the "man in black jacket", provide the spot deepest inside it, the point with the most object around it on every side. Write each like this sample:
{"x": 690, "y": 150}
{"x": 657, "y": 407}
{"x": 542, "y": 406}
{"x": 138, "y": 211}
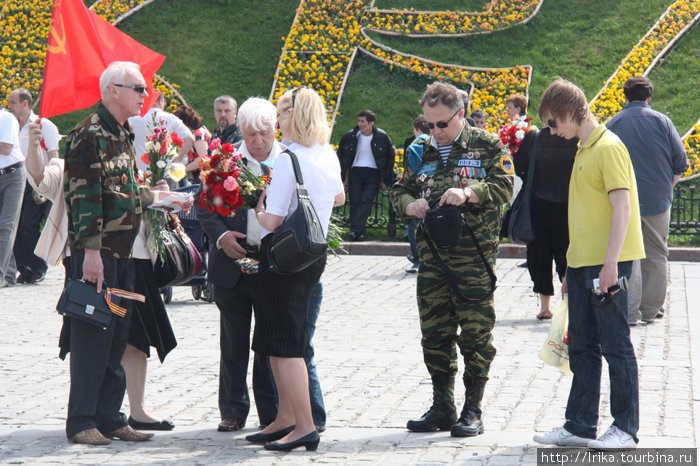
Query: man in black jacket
{"x": 225, "y": 111}
{"x": 366, "y": 156}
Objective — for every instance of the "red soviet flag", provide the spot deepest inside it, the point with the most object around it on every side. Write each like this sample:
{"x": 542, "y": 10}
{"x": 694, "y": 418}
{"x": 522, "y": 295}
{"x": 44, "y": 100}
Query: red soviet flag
{"x": 81, "y": 45}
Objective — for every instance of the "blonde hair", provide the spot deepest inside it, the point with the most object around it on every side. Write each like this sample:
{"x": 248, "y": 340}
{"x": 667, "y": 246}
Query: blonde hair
{"x": 562, "y": 99}
{"x": 309, "y": 121}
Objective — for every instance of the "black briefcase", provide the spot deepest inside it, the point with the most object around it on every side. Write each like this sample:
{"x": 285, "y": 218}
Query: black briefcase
{"x": 80, "y": 300}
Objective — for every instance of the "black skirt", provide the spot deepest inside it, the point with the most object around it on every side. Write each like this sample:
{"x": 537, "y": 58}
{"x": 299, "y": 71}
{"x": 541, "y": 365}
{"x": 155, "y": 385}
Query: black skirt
{"x": 150, "y": 325}
{"x": 281, "y": 308}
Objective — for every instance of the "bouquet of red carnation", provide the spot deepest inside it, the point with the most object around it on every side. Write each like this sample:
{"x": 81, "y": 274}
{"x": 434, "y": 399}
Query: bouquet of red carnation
{"x": 162, "y": 147}
{"x": 513, "y": 133}
{"x": 219, "y": 175}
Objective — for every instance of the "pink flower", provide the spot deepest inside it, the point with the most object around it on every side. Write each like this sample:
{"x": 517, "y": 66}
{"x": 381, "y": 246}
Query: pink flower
{"x": 230, "y": 183}
{"x": 214, "y": 144}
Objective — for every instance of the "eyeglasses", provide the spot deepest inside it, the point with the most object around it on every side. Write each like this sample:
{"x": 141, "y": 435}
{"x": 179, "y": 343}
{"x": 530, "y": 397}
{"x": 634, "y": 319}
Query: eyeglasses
{"x": 552, "y": 123}
{"x": 443, "y": 124}
{"x": 295, "y": 91}
{"x": 137, "y": 87}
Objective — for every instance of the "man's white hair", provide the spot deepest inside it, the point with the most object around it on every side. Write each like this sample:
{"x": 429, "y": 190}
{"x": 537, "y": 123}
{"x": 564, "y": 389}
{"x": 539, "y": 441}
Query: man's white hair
{"x": 257, "y": 114}
{"x": 115, "y": 72}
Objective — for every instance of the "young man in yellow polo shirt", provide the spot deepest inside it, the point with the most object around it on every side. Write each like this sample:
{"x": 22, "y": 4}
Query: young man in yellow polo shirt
{"x": 605, "y": 237}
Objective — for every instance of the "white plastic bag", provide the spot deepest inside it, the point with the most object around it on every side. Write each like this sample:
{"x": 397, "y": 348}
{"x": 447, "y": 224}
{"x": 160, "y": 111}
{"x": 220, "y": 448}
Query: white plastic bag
{"x": 555, "y": 350}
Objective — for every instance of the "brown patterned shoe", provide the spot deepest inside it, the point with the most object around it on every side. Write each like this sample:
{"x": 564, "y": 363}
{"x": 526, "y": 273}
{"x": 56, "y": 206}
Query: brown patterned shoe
{"x": 90, "y": 437}
{"x": 128, "y": 434}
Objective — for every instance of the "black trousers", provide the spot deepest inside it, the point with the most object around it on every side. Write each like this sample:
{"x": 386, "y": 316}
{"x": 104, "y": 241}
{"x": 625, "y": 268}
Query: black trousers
{"x": 28, "y": 231}
{"x": 551, "y": 242}
{"x": 236, "y": 307}
{"x": 97, "y": 377}
{"x": 363, "y": 186}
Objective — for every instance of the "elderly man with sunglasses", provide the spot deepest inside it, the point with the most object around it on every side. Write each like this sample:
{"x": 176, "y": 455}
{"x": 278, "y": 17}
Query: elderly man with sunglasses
{"x": 463, "y": 166}
{"x": 104, "y": 205}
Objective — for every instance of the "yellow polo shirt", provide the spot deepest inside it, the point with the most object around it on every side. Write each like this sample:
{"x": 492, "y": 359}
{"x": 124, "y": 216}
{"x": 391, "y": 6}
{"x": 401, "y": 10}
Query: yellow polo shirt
{"x": 602, "y": 164}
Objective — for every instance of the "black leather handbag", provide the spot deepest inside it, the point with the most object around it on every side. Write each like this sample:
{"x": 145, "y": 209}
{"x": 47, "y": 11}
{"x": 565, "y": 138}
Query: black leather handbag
{"x": 80, "y": 300}
{"x": 299, "y": 241}
{"x": 520, "y": 227}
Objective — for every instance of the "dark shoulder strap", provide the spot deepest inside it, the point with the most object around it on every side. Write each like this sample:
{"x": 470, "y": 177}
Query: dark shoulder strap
{"x": 531, "y": 168}
{"x": 297, "y": 168}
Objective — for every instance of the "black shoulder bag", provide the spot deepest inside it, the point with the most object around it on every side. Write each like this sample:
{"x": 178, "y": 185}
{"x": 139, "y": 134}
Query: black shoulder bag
{"x": 299, "y": 241}
{"x": 441, "y": 222}
{"x": 520, "y": 227}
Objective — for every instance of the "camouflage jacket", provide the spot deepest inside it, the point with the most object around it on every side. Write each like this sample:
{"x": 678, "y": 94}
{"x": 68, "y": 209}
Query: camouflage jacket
{"x": 103, "y": 198}
{"x": 478, "y": 160}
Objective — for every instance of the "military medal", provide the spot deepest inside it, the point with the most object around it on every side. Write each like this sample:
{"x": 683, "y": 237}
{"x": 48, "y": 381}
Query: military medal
{"x": 124, "y": 178}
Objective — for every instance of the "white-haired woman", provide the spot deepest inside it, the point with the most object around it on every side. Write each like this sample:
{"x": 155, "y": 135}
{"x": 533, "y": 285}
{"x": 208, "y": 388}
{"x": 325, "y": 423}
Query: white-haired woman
{"x": 281, "y": 310}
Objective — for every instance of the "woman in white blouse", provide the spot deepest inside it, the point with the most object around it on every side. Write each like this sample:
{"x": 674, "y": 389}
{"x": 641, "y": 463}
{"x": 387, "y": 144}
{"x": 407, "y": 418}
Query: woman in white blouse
{"x": 281, "y": 307}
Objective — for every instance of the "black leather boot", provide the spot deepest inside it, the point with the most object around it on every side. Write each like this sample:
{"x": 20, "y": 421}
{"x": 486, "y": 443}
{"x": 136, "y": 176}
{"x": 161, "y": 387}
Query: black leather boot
{"x": 442, "y": 414}
{"x": 469, "y": 423}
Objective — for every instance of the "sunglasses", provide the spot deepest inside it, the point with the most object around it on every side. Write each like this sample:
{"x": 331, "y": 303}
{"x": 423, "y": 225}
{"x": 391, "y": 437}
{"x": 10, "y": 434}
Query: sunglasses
{"x": 295, "y": 91}
{"x": 442, "y": 124}
{"x": 137, "y": 87}
{"x": 552, "y": 124}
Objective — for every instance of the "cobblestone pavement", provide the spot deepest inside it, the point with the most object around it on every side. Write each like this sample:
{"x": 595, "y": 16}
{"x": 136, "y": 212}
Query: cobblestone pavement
{"x": 369, "y": 359}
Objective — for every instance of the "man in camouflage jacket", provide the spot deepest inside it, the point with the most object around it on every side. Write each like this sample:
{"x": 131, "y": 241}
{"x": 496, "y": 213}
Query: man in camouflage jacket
{"x": 104, "y": 205}
{"x": 467, "y": 167}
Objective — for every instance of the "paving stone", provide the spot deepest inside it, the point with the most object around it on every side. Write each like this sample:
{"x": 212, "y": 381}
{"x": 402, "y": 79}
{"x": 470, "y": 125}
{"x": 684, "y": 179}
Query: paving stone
{"x": 372, "y": 373}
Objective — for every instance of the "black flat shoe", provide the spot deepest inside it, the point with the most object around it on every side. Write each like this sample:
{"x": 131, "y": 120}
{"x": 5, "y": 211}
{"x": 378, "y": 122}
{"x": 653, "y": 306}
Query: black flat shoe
{"x": 160, "y": 425}
{"x": 271, "y": 437}
{"x": 310, "y": 442}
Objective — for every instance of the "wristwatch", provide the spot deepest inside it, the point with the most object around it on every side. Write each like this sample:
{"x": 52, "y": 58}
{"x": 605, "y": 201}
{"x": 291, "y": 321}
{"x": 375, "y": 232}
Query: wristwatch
{"x": 467, "y": 192}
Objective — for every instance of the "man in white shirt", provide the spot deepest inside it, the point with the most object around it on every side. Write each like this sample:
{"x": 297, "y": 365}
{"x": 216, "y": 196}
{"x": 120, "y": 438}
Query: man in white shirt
{"x": 366, "y": 156}
{"x": 143, "y": 126}
{"x": 31, "y": 268}
{"x": 12, "y": 180}
{"x": 232, "y": 239}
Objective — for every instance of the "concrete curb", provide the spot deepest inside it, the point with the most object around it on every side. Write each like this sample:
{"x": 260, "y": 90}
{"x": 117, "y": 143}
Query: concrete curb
{"x": 505, "y": 251}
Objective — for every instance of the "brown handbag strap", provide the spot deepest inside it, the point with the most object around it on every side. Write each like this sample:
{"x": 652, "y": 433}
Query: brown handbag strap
{"x": 116, "y": 308}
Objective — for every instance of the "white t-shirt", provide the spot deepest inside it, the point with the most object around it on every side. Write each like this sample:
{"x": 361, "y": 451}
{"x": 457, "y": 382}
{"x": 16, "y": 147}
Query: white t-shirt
{"x": 321, "y": 172}
{"x": 49, "y": 134}
{"x": 253, "y": 227}
{"x": 143, "y": 128}
{"x": 363, "y": 154}
{"x": 9, "y": 134}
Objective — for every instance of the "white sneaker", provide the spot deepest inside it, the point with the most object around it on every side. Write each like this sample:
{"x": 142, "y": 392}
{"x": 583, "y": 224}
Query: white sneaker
{"x": 613, "y": 439}
{"x": 562, "y": 438}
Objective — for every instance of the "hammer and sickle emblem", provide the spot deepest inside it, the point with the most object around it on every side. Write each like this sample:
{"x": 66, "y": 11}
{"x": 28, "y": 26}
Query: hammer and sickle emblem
{"x": 60, "y": 40}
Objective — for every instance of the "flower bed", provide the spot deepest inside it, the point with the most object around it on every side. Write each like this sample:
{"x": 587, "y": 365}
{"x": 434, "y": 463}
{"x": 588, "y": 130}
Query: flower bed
{"x": 496, "y": 16}
{"x": 650, "y": 50}
{"x": 24, "y": 30}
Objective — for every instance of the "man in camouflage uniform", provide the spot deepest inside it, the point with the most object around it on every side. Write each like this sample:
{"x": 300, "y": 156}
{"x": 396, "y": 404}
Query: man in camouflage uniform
{"x": 104, "y": 207}
{"x": 467, "y": 167}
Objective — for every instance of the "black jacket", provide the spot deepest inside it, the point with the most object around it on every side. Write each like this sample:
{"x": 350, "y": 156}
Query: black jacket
{"x": 382, "y": 149}
{"x": 232, "y": 134}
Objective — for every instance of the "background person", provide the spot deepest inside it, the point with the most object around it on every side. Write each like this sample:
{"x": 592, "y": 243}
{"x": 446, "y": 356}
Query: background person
{"x": 202, "y": 137}
{"x": 554, "y": 158}
{"x": 366, "y": 156}
{"x": 658, "y": 157}
{"x": 282, "y": 307}
{"x": 12, "y": 184}
{"x": 225, "y": 113}
{"x": 31, "y": 268}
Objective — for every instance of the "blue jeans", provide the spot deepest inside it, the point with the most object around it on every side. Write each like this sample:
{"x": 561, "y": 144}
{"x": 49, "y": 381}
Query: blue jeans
{"x": 597, "y": 329}
{"x": 318, "y": 408}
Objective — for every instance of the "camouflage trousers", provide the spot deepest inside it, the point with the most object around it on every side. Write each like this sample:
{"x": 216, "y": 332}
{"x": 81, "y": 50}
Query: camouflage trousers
{"x": 442, "y": 314}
